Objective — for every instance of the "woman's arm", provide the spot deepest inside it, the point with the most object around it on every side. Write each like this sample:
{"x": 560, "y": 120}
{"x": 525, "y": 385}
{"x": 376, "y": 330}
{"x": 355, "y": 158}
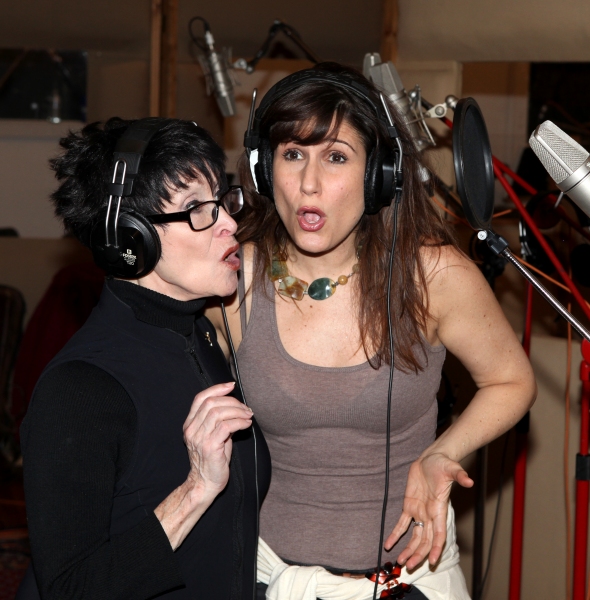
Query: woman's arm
{"x": 77, "y": 441}
{"x": 467, "y": 319}
{"x": 213, "y": 418}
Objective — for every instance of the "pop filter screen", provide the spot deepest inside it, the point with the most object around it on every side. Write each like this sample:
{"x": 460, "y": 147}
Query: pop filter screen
{"x": 472, "y": 156}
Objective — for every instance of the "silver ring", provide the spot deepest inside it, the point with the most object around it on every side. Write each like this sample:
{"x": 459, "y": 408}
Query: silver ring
{"x": 418, "y": 524}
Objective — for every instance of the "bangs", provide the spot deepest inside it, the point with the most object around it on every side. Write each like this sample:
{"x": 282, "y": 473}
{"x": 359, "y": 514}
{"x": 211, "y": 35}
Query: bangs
{"x": 302, "y": 129}
{"x": 180, "y": 179}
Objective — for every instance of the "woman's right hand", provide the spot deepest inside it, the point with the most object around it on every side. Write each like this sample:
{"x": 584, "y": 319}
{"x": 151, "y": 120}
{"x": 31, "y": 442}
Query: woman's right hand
{"x": 208, "y": 428}
{"x": 211, "y": 421}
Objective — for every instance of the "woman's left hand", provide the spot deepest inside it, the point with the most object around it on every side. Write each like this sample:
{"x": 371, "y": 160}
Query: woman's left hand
{"x": 426, "y": 501}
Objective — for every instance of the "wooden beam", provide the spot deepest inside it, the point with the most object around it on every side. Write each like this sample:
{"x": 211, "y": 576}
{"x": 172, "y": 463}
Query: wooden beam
{"x": 169, "y": 58}
{"x": 155, "y": 57}
{"x": 389, "y": 31}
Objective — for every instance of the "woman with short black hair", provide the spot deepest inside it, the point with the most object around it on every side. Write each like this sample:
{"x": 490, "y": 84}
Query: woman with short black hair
{"x": 131, "y": 430}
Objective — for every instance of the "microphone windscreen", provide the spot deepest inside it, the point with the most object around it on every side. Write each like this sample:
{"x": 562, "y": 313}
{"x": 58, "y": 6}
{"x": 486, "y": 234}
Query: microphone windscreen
{"x": 560, "y": 154}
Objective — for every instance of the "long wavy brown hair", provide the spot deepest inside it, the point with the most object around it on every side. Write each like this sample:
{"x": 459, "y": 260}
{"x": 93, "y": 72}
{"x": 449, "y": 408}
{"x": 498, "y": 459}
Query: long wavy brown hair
{"x": 308, "y": 115}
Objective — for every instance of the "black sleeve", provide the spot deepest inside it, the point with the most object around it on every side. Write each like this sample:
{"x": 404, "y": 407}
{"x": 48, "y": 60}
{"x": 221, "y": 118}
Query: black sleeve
{"x": 77, "y": 439}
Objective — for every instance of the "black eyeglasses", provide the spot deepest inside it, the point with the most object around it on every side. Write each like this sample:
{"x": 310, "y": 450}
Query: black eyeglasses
{"x": 204, "y": 214}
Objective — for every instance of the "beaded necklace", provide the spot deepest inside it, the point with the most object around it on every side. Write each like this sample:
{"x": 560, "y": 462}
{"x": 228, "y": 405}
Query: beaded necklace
{"x": 293, "y": 287}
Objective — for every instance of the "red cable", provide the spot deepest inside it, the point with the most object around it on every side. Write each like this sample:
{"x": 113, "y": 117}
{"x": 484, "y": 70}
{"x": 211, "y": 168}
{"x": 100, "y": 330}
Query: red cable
{"x": 582, "y": 487}
{"x": 499, "y": 169}
{"x": 521, "y": 182}
{"x": 542, "y": 241}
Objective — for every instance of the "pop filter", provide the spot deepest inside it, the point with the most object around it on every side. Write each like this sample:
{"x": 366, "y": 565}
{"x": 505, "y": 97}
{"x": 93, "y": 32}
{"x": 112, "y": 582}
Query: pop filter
{"x": 472, "y": 156}
{"x": 474, "y": 171}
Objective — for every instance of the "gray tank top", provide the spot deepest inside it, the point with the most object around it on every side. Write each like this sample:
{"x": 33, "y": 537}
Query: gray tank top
{"x": 325, "y": 429}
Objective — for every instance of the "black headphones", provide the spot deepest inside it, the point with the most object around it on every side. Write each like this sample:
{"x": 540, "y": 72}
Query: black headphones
{"x": 122, "y": 241}
{"x": 383, "y": 174}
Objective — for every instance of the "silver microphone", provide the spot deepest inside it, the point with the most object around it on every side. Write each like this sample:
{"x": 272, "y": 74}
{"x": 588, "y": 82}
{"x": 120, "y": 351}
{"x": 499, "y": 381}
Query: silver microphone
{"x": 217, "y": 67}
{"x": 565, "y": 160}
{"x": 385, "y": 76}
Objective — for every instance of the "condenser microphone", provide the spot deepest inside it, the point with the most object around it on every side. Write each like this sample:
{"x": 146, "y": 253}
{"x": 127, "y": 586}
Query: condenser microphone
{"x": 385, "y": 76}
{"x": 565, "y": 160}
{"x": 216, "y": 66}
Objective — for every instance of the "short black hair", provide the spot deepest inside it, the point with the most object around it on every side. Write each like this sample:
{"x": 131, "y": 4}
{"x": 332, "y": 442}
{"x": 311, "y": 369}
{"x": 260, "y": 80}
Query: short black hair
{"x": 179, "y": 153}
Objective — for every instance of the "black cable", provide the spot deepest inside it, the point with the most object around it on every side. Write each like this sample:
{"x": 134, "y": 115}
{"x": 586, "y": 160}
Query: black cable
{"x": 197, "y": 40}
{"x": 494, "y": 527}
{"x": 291, "y": 34}
{"x": 389, "y": 391}
{"x": 239, "y": 381}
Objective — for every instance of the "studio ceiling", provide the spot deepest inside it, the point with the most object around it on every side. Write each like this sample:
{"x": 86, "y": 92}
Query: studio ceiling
{"x": 343, "y": 30}
{"x": 462, "y": 30}
{"x": 498, "y": 30}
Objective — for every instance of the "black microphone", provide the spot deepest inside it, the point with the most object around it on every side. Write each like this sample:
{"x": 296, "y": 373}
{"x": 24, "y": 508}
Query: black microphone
{"x": 565, "y": 160}
{"x": 217, "y": 67}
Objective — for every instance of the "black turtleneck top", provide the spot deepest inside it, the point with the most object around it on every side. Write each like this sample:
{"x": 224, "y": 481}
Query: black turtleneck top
{"x": 85, "y": 426}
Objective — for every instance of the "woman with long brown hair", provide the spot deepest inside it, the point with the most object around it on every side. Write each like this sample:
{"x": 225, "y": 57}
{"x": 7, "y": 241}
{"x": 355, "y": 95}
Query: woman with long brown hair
{"x": 327, "y": 208}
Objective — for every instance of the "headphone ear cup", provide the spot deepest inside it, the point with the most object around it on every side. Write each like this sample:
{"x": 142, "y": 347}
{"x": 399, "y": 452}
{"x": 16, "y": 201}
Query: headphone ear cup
{"x": 372, "y": 184}
{"x": 379, "y": 181}
{"x": 388, "y": 179}
{"x": 263, "y": 169}
{"x": 138, "y": 250}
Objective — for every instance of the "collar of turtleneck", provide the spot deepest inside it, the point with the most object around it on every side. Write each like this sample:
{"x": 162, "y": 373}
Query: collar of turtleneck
{"x": 155, "y": 308}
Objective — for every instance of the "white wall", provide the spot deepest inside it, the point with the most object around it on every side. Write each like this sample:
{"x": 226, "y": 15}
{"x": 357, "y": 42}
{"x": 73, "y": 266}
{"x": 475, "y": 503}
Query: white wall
{"x": 544, "y": 543}
{"x": 503, "y": 30}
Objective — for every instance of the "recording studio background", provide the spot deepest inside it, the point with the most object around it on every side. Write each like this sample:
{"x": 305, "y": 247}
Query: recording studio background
{"x": 63, "y": 63}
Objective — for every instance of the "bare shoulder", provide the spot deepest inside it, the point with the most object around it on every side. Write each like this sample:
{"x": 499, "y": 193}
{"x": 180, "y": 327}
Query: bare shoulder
{"x": 458, "y": 294}
{"x": 448, "y": 271}
{"x": 442, "y": 263}
{"x": 462, "y": 304}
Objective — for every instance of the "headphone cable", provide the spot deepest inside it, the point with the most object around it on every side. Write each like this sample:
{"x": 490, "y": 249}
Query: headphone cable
{"x": 239, "y": 381}
{"x": 389, "y": 392}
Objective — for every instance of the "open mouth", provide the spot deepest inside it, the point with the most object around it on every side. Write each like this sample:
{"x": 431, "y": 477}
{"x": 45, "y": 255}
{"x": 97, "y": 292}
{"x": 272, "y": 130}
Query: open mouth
{"x": 231, "y": 258}
{"x": 311, "y": 218}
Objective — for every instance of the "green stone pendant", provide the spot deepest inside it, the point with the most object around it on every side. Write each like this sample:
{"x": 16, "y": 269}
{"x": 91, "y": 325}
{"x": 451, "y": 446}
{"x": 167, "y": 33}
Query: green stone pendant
{"x": 322, "y": 288}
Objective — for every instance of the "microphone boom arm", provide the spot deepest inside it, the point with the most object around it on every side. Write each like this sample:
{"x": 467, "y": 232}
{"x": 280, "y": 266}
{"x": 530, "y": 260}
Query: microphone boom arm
{"x": 500, "y": 247}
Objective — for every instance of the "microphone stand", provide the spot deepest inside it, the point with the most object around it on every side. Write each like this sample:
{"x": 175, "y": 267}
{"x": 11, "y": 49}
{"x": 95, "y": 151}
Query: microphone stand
{"x": 275, "y": 28}
{"x": 500, "y": 247}
{"x": 583, "y": 458}
{"x": 582, "y": 483}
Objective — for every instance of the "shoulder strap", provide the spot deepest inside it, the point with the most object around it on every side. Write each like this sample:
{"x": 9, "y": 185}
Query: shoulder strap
{"x": 242, "y": 301}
